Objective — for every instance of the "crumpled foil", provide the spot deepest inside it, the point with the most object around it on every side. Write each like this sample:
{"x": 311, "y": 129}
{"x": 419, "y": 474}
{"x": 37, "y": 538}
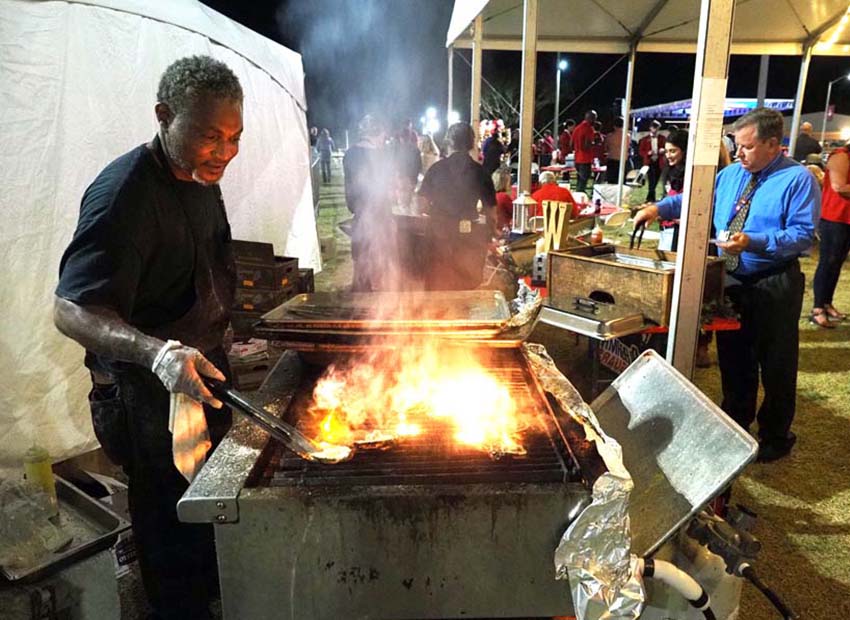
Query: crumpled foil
{"x": 594, "y": 551}
{"x": 525, "y": 306}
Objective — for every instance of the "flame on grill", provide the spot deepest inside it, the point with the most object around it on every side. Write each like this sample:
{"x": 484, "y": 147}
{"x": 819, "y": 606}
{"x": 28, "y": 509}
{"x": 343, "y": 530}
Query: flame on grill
{"x": 410, "y": 392}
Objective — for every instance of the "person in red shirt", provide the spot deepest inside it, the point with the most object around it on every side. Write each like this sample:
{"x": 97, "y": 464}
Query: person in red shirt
{"x": 834, "y": 237}
{"x": 565, "y": 140}
{"x": 551, "y": 191}
{"x": 547, "y": 147}
{"x": 598, "y": 144}
{"x": 583, "y": 145}
{"x": 651, "y": 149}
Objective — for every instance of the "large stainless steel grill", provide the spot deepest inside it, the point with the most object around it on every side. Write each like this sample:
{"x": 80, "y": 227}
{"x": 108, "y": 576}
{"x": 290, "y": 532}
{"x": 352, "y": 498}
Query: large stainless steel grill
{"x": 423, "y": 529}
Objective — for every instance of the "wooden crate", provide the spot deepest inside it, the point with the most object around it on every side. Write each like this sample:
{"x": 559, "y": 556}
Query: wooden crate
{"x": 589, "y": 272}
{"x": 253, "y": 251}
{"x": 279, "y": 274}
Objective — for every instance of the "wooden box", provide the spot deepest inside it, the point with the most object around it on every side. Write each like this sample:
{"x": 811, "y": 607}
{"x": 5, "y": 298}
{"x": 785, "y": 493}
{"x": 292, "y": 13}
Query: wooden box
{"x": 280, "y": 273}
{"x": 262, "y": 300}
{"x": 253, "y": 251}
{"x": 634, "y": 280}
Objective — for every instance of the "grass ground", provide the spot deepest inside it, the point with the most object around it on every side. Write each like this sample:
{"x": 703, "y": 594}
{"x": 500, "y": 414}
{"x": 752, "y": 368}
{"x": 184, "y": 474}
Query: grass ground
{"x": 802, "y": 501}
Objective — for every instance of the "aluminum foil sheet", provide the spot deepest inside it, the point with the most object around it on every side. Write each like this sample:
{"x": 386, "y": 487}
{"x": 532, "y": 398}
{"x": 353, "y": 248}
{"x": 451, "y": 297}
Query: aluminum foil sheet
{"x": 525, "y": 306}
{"x": 594, "y": 552}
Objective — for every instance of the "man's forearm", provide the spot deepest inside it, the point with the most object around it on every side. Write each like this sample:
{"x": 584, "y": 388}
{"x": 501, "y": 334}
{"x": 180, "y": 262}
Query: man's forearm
{"x": 102, "y": 331}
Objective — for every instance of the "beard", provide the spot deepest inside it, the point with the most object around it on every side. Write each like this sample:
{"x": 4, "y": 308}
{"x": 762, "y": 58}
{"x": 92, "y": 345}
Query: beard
{"x": 173, "y": 150}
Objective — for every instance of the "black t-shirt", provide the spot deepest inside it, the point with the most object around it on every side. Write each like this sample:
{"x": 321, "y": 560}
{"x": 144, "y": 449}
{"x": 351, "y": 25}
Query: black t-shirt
{"x": 455, "y": 185}
{"x": 134, "y": 249}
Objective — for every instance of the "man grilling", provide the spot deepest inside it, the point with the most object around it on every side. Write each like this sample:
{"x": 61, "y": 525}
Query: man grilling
{"x": 146, "y": 286}
{"x": 766, "y": 207}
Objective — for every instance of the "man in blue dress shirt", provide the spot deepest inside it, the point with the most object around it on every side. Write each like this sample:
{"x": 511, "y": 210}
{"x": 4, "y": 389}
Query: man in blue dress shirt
{"x": 766, "y": 207}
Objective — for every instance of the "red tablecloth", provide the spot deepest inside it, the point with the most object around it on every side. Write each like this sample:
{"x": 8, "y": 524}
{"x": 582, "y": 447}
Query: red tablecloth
{"x": 562, "y": 168}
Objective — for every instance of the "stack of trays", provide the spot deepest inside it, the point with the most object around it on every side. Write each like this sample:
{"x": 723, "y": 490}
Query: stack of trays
{"x": 343, "y": 321}
{"x": 263, "y": 281}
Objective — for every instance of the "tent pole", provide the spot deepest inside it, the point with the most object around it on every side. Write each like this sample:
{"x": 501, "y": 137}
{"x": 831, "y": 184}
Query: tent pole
{"x": 526, "y": 108}
{"x": 451, "y": 55}
{"x": 798, "y": 99}
{"x": 627, "y": 113}
{"x": 475, "y": 91}
{"x": 761, "y": 93}
{"x": 710, "y": 76}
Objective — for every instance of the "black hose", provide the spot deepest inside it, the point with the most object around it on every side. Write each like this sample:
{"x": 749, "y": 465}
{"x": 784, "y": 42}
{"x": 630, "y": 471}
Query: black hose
{"x": 749, "y": 573}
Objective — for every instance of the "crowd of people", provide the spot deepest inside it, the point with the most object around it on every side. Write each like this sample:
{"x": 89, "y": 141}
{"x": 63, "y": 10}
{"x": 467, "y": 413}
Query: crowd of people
{"x": 450, "y": 193}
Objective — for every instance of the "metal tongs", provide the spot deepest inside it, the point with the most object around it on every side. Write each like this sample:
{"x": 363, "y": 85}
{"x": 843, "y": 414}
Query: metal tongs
{"x": 639, "y": 230}
{"x": 285, "y": 433}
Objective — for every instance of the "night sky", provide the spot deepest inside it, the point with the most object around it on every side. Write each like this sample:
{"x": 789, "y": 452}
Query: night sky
{"x": 387, "y": 57}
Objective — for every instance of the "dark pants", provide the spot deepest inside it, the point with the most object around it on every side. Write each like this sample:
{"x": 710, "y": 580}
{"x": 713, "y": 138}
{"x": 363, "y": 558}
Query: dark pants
{"x": 652, "y": 180}
{"x": 834, "y": 246}
{"x": 768, "y": 341}
{"x": 326, "y": 169}
{"x": 583, "y": 172}
{"x": 612, "y": 172}
{"x": 177, "y": 560}
{"x": 455, "y": 260}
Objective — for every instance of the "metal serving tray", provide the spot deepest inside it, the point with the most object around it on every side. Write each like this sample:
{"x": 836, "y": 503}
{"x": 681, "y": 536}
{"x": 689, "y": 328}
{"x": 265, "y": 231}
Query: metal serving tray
{"x": 680, "y": 448}
{"x": 93, "y": 526}
{"x": 480, "y": 312}
{"x": 602, "y": 323}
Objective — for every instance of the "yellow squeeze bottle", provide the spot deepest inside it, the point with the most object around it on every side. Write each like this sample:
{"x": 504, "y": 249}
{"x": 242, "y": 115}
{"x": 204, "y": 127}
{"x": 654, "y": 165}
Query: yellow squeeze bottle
{"x": 39, "y": 472}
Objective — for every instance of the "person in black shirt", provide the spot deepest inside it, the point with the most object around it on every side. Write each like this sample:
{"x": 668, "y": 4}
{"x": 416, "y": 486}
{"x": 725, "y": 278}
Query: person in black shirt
{"x": 457, "y": 242}
{"x": 146, "y": 286}
{"x": 806, "y": 145}
{"x": 492, "y": 150}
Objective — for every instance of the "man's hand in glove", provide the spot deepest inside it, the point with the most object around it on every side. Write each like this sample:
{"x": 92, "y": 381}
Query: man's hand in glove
{"x": 180, "y": 368}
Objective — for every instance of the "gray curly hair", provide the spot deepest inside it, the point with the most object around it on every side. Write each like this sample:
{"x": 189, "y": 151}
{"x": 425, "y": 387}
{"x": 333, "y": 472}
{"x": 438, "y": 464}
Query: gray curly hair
{"x": 188, "y": 78}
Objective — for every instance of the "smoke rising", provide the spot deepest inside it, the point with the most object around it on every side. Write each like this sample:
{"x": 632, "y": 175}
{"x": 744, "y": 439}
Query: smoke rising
{"x": 379, "y": 57}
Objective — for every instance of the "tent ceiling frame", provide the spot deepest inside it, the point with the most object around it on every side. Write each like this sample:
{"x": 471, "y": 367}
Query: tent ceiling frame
{"x": 647, "y": 42}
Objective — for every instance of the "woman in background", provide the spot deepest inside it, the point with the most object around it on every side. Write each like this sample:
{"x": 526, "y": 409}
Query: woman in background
{"x": 834, "y": 231}
{"x": 504, "y": 201}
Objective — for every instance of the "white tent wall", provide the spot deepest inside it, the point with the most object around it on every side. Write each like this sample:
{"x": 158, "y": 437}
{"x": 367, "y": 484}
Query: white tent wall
{"x": 78, "y": 84}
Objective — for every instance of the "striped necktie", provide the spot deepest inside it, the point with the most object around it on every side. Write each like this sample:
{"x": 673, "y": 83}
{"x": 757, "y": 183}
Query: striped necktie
{"x": 737, "y": 223}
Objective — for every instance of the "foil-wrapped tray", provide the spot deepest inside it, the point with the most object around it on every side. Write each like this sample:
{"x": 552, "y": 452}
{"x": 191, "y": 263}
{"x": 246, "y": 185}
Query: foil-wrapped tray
{"x": 478, "y": 314}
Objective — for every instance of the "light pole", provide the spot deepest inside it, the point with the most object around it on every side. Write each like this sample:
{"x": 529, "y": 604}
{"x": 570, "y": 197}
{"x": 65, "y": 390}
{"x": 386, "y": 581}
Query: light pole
{"x": 562, "y": 66}
{"x": 826, "y": 109}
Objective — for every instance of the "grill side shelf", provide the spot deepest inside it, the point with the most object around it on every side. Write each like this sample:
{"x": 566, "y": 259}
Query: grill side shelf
{"x": 213, "y": 495}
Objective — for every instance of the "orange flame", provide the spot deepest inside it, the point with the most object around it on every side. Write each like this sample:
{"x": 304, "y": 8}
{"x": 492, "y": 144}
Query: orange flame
{"x": 415, "y": 391}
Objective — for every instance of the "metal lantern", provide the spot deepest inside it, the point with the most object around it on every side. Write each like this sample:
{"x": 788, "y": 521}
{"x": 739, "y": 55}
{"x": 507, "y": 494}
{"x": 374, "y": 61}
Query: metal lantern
{"x": 524, "y": 208}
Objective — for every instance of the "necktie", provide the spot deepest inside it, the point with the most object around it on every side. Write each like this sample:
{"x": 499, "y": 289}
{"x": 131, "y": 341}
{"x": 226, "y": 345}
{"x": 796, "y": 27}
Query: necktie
{"x": 737, "y": 223}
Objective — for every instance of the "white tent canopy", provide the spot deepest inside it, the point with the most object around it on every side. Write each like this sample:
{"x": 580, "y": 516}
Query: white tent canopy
{"x": 78, "y": 83}
{"x": 777, "y": 27}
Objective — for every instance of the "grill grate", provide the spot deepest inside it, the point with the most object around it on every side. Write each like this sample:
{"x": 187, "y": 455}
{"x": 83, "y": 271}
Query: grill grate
{"x": 434, "y": 458}
{"x": 425, "y": 462}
